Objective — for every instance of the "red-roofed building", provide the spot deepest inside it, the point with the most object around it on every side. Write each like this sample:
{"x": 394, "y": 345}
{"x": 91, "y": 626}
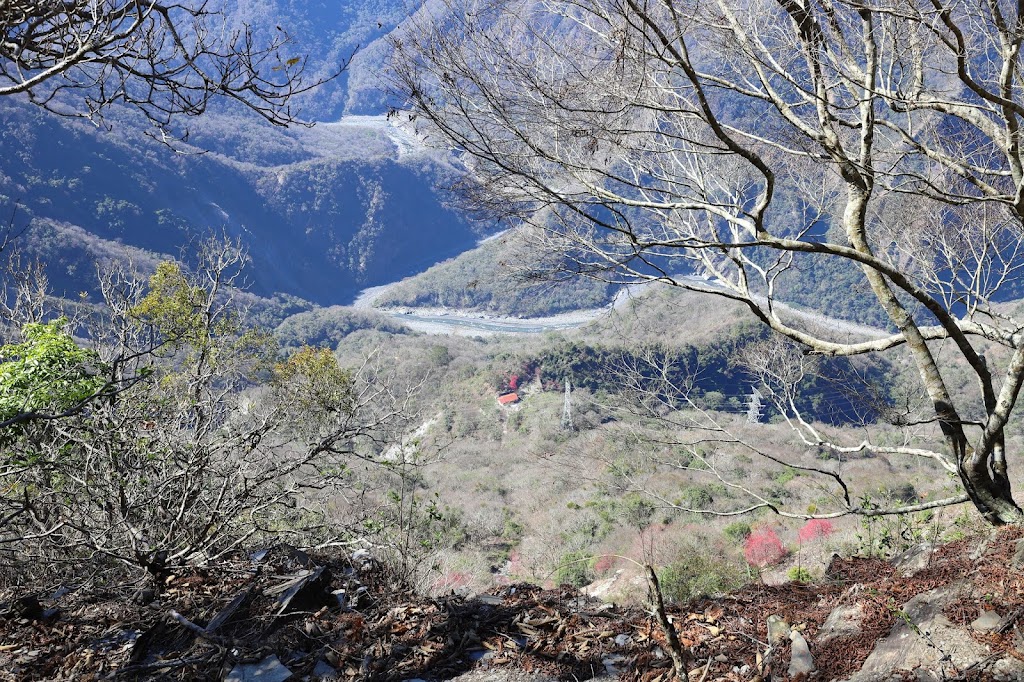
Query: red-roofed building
{"x": 508, "y": 399}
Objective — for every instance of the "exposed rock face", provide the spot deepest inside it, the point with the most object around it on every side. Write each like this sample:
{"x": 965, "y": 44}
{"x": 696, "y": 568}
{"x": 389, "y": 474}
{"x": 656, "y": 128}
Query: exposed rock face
{"x": 844, "y": 621}
{"x": 1018, "y": 555}
{"x": 987, "y": 621}
{"x": 270, "y": 669}
{"x": 925, "y": 642}
{"x": 913, "y": 560}
{"x": 778, "y": 630}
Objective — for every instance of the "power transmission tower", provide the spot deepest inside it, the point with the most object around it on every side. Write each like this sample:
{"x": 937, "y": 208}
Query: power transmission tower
{"x": 567, "y": 424}
{"x": 754, "y": 406}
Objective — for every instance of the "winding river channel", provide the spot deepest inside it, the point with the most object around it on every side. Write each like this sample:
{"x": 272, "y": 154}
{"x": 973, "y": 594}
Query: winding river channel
{"x": 469, "y": 323}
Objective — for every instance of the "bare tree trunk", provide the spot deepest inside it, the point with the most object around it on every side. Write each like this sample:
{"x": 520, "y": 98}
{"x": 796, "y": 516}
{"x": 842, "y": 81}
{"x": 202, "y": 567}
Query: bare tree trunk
{"x": 988, "y": 490}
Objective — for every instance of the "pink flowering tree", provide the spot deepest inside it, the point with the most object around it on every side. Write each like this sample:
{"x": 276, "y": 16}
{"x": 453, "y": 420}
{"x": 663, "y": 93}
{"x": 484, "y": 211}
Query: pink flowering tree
{"x": 814, "y": 530}
{"x": 763, "y": 548}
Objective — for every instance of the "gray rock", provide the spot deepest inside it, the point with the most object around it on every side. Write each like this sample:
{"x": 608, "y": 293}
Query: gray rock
{"x": 801, "y": 662}
{"x": 229, "y": 612}
{"x": 987, "y": 621}
{"x": 361, "y": 598}
{"x": 270, "y": 669}
{"x": 362, "y": 558}
{"x": 612, "y": 663}
{"x": 305, "y": 592}
{"x": 925, "y": 641}
{"x": 506, "y": 675}
{"x": 1007, "y": 669}
{"x": 981, "y": 548}
{"x": 1018, "y": 555}
{"x": 259, "y": 555}
{"x": 778, "y": 629}
{"x": 844, "y": 621}
{"x": 913, "y": 560}
{"x": 65, "y": 590}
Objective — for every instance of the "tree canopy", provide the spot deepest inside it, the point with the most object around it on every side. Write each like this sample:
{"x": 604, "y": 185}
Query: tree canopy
{"x": 173, "y": 432}
{"x": 47, "y": 373}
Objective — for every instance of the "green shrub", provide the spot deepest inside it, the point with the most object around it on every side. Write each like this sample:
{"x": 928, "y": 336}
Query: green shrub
{"x": 713, "y": 400}
{"x": 776, "y": 493}
{"x": 511, "y": 529}
{"x": 695, "y": 497}
{"x": 901, "y": 492}
{"x": 574, "y": 569}
{"x": 695, "y": 573}
{"x": 636, "y": 510}
{"x": 785, "y": 476}
{"x": 799, "y": 574}
{"x": 737, "y": 531}
{"x": 439, "y": 355}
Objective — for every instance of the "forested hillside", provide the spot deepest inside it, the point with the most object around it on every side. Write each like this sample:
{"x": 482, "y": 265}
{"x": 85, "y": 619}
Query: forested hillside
{"x": 323, "y": 212}
{"x": 332, "y": 33}
{"x": 260, "y": 418}
{"x": 488, "y": 279}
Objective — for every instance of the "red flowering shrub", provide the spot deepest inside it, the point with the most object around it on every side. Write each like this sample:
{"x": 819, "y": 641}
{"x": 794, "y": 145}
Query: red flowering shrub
{"x": 604, "y": 564}
{"x": 763, "y": 548}
{"x": 451, "y": 581}
{"x": 513, "y": 382}
{"x": 814, "y": 529}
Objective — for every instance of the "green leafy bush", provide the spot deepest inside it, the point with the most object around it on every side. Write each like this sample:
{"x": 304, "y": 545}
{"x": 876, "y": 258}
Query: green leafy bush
{"x": 48, "y": 371}
{"x": 738, "y": 531}
{"x": 798, "y": 574}
{"x": 574, "y": 568}
{"x": 785, "y": 476}
{"x": 696, "y": 573}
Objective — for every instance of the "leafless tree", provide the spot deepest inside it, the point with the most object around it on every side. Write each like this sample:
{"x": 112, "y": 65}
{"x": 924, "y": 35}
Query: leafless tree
{"x": 210, "y": 443}
{"x": 642, "y": 138}
{"x": 164, "y": 60}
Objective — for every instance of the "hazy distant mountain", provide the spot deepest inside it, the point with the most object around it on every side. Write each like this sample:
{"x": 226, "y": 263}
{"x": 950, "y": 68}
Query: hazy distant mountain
{"x": 324, "y": 212}
{"x": 331, "y": 33}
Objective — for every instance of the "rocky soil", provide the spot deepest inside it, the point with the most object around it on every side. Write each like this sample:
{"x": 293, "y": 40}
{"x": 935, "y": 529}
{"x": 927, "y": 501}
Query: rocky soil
{"x": 950, "y": 613}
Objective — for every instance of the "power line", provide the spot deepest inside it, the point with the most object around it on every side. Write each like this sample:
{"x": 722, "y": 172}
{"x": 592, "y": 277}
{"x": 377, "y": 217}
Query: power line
{"x": 755, "y": 406}
{"x": 567, "y": 424}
